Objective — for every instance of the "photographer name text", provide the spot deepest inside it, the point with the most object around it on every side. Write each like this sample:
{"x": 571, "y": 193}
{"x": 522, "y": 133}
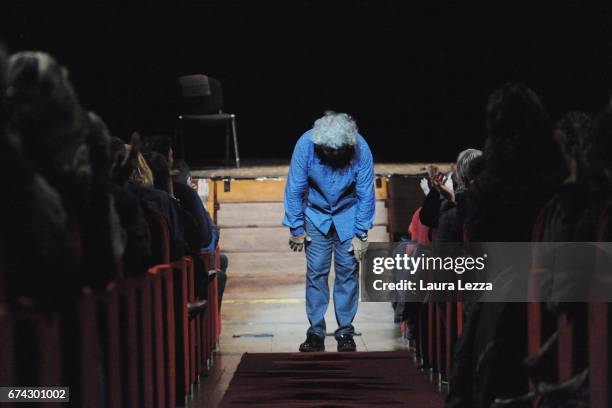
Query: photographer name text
{"x": 408, "y": 285}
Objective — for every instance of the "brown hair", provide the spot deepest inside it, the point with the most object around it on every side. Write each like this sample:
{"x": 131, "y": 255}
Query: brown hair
{"x": 142, "y": 174}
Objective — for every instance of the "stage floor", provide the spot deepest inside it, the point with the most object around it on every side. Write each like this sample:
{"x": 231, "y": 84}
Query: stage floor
{"x": 263, "y": 169}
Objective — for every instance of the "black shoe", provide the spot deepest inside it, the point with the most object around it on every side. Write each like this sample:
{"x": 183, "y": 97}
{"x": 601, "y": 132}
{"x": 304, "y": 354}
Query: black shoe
{"x": 346, "y": 342}
{"x": 313, "y": 343}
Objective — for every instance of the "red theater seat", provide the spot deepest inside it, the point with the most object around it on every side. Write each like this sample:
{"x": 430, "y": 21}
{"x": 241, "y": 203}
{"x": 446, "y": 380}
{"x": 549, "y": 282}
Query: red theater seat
{"x": 599, "y": 357}
{"x": 599, "y": 324}
{"x": 194, "y": 364}
{"x": 89, "y": 355}
{"x": 170, "y": 330}
{"x": 129, "y": 342}
{"x": 160, "y": 236}
{"x": 109, "y": 335}
{"x": 211, "y": 321}
{"x": 145, "y": 339}
{"x": 182, "y": 353}
{"x": 158, "y": 343}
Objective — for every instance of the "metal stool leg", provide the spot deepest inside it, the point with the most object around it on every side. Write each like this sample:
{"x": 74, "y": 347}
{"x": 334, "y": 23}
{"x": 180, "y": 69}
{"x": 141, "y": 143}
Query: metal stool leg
{"x": 235, "y": 141}
{"x": 227, "y": 144}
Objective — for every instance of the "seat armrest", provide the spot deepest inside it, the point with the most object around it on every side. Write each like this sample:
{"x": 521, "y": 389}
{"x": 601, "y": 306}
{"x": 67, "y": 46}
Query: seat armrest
{"x": 196, "y": 308}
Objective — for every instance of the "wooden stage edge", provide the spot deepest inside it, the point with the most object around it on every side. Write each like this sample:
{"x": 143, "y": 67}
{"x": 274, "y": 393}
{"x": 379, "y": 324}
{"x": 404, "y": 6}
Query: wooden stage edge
{"x": 280, "y": 171}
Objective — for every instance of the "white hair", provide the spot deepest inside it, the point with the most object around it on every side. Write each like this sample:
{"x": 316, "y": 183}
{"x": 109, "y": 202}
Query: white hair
{"x": 464, "y": 160}
{"x": 335, "y": 130}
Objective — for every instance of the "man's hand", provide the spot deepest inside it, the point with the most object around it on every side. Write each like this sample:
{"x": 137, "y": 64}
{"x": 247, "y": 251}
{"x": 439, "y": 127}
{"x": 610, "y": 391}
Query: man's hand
{"x": 359, "y": 247}
{"x": 296, "y": 242}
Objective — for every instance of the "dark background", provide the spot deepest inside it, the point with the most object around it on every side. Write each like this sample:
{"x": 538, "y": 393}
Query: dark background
{"x": 416, "y": 77}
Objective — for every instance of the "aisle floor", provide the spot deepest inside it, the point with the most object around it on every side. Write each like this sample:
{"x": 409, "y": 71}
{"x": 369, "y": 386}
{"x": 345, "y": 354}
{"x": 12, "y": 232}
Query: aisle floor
{"x": 265, "y": 312}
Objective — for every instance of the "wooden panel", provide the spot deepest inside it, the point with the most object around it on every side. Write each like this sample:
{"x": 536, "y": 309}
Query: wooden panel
{"x": 272, "y": 239}
{"x": 381, "y": 187}
{"x": 269, "y": 214}
{"x": 256, "y": 190}
{"x": 267, "y": 170}
{"x": 267, "y": 190}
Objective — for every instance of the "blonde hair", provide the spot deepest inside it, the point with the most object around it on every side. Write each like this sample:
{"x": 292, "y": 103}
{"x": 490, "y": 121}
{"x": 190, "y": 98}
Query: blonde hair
{"x": 142, "y": 174}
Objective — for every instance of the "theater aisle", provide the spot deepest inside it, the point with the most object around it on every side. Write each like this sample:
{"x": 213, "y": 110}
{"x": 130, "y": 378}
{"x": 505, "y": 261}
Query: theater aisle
{"x": 263, "y": 312}
{"x": 263, "y": 308}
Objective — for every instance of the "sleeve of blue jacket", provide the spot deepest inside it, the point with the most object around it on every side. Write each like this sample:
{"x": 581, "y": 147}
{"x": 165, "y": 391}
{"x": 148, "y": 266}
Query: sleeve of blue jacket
{"x": 366, "y": 199}
{"x": 297, "y": 182}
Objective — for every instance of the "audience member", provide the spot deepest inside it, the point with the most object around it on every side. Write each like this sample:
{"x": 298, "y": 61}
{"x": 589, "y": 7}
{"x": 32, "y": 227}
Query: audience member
{"x": 40, "y": 261}
{"x": 452, "y": 216}
{"x": 45, "y": 120}
{"x": 191, "y": 201}
{"x": 504, "y": 201}
{"x": 141, "y": 184}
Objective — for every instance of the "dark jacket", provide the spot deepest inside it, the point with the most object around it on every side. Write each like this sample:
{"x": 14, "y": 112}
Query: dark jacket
{"x": 38, "y": 256}
{"x": 190, "y": 201}
{"x": 165, "y": 205}
{"x": 137, "y": 255}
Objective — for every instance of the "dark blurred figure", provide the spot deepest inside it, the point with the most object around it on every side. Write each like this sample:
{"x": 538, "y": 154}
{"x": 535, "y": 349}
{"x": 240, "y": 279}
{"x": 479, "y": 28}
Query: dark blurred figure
{"x": 523, "y": 168}
{"x": 159, "y": 165}
{"x": 102, "y": 235}
{"x": 161, "y": 144}
{"x": 560, "y": 217}
{"x": 45, "y": 168}
{"x": 573, "y": 134}
{"x": 596, "y": 222}
{"x": 564, "y": 269}
{"x": 3, "y": 147}
{"x": 43, "y": 134}
{"x": 599, "y": 181}
{"x": 45, "y": 120}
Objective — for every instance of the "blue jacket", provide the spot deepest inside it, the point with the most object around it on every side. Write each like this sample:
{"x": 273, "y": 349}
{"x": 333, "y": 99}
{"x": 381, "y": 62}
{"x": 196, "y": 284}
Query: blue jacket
{"x": 323, "y": 195}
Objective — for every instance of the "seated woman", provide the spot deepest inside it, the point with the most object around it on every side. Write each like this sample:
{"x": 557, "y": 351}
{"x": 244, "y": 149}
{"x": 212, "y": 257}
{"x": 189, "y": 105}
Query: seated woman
{"x": 141, "y": 184}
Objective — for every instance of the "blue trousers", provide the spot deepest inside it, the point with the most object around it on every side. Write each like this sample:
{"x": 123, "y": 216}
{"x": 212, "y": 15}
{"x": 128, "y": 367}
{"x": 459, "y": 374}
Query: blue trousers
{"x": 319, "y": 251}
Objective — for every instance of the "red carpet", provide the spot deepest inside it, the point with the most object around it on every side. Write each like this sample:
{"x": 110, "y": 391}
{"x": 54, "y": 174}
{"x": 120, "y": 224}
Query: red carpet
{"x": 365, "y": 379}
